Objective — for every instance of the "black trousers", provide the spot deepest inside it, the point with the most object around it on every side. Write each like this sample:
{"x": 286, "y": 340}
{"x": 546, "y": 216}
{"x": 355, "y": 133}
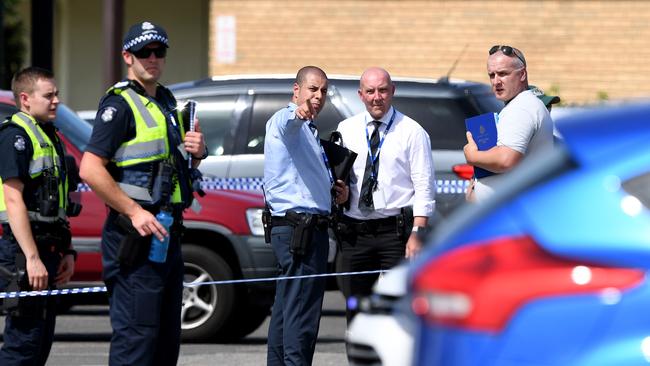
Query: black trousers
{"x": 367, "y": 246}
{"x": 28, "y": 335}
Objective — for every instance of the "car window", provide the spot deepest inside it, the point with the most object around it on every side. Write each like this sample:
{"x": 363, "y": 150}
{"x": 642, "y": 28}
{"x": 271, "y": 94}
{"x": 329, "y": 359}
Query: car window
{"x": 218, "y": 118}
{"x": 75, "y": 129}
{"x": 443, "y": 119}
{"x": 265, "y": 105}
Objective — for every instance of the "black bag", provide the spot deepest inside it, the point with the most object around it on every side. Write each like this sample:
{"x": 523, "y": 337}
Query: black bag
{"x": 340, "y": 158}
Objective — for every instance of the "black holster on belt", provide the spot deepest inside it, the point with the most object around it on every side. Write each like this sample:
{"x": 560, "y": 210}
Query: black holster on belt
{"x": 52, "y": 238}
{"x": 29, "y": 307}
{"x": 405, "y": 222}
{"x": 266, "y": 223}
{"x": 133, "y": 246}
{"x": 303, "y": 231}
{"x": 10, "y": 304}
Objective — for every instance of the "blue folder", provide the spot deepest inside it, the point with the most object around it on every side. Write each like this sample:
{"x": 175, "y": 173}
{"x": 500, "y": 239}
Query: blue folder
{"x": 484, "y": 131}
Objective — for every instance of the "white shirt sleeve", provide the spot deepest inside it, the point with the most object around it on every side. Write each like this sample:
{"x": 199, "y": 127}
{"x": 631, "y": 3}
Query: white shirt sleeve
{"x": 422, "y": 174}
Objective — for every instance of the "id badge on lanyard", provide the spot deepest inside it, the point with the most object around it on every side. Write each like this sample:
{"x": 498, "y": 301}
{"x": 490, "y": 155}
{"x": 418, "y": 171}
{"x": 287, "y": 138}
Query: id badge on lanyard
{"x": 378, "y": 197}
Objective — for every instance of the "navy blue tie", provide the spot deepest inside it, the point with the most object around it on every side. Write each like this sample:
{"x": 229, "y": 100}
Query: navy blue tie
{"x": 370, "y": 180}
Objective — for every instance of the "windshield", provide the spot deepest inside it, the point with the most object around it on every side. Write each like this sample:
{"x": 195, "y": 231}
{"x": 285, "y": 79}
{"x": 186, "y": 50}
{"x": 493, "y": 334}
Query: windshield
{"x": 75, "y": 129}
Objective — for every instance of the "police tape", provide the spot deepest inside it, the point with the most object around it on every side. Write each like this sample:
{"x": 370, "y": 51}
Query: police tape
{"x": 98, "y": 289}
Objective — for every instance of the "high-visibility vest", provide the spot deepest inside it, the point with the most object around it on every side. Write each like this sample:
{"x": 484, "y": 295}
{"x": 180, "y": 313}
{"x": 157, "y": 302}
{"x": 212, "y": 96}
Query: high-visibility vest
{"x": 150, "y": 143}
{"x": 44, "y": 157}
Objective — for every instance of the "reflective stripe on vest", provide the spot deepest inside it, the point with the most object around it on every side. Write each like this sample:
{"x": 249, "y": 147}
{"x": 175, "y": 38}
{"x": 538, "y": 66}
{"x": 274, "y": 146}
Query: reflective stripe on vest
{"x": 44, "y": 157}
{"x": 41, "y": 160}
{"x": 150, "y": 143}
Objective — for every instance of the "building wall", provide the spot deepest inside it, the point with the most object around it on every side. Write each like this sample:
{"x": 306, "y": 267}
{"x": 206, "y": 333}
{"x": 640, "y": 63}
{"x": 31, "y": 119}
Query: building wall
{"x": 78, "y": 49}
{"x": 583, "y": 50}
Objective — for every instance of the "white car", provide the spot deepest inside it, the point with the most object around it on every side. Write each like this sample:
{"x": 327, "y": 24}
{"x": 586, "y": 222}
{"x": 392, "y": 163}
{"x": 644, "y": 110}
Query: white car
{"x": 382, "y": 334}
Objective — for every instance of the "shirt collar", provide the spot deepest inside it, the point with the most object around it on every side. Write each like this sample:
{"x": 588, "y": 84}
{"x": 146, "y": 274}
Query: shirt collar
{"x": 384, "y": 119}
{"x": 140, "y": 89}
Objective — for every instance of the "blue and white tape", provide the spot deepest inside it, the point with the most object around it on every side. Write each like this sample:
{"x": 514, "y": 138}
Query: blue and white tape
{"x": 443, "y": 186}
{"x": 97, "y": 289}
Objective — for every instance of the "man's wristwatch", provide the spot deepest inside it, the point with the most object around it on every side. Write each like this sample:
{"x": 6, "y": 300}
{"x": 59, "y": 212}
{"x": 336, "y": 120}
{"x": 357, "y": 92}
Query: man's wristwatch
{"x": 205, "y": 154}
{"x": 416, "y": 229}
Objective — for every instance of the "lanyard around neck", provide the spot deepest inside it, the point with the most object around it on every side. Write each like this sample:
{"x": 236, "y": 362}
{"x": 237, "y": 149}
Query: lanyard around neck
{"x": 373, "y": 159}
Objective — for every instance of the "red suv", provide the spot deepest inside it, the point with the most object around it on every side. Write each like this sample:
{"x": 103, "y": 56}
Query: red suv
{"x": 224, "y": 241}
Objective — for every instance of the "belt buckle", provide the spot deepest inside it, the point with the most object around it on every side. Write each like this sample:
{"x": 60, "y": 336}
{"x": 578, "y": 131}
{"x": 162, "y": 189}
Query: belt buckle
{"x": 363, "y": 227}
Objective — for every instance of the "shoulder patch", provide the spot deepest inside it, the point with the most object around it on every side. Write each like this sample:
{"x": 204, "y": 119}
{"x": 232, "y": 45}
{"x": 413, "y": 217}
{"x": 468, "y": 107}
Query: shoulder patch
{"x": 108, "y": 114}
{"x": 19, "y": 143}
{"x": 121, "y": 84}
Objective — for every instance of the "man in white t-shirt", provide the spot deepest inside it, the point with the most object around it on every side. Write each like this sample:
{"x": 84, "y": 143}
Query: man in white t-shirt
{"x": 524, "y": 125}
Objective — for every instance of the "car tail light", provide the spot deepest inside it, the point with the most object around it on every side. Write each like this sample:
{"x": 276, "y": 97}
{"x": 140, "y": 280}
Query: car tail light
{"x": 481, "y": 286}
{"x": 463, "y": 171}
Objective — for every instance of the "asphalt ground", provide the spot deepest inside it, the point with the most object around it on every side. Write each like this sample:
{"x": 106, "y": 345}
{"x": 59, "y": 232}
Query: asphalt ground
{"x": 83, "y": 338}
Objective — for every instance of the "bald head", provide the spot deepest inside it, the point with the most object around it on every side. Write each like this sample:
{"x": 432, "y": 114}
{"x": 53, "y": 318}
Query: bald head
{"x": 376, "y": 91}
{"x": 375, "y": 73}
{"x": 309, "y": 70}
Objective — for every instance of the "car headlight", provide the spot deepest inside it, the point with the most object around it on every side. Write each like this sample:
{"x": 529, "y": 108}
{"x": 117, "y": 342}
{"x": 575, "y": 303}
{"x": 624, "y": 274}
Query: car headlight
{"x": 373, "y": 304}
{"x": 254, "y": 219}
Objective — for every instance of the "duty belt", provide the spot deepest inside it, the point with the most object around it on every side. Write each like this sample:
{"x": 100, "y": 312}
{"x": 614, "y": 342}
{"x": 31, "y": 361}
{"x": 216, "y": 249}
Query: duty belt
{"x": 367, "y": 226}
{"x": 321, "y": 222}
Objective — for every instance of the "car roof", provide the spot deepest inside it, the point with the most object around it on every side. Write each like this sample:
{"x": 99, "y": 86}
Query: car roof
{"x": 252, "y": 83}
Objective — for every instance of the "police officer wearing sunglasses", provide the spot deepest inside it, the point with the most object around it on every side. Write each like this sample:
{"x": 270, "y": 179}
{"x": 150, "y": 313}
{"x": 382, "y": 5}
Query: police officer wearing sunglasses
{"x": 524, "y": 125}
{"x": 137, "y": 162}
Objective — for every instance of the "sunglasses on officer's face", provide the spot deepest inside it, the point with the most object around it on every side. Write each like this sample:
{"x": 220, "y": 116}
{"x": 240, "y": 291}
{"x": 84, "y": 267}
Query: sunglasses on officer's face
{"x": 508, "y": 51}
{"x": 160, "y": 52}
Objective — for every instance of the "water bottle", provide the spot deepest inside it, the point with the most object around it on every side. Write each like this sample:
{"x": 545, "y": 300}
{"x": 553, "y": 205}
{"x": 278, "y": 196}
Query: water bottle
{"x": 158, "y": 251}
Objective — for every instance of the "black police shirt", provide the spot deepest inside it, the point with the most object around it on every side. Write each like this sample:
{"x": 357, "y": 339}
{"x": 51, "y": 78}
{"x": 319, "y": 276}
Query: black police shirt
{"x": 16, "y": 151}
{"x": 115, "y": 124}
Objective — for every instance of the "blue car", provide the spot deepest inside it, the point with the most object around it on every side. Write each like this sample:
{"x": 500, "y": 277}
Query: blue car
{"x": 553, "y": 269}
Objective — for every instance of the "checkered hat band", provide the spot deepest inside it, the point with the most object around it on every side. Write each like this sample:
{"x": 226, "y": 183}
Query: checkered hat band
{"x": 147, "y": 37}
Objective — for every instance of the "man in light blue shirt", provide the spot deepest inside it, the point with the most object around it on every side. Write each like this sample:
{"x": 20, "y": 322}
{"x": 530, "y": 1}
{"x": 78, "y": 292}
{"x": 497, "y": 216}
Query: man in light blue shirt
{"x": 299, "y": 191}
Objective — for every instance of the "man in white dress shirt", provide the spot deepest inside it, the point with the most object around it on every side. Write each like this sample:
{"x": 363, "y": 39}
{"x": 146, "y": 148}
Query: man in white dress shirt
{"x": 392, "y": 174}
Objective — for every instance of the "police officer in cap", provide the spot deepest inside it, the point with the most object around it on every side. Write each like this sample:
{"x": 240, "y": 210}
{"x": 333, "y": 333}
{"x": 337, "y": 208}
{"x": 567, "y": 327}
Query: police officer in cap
{"x": 140, "y": 144}
{"x": 33, "y": 204}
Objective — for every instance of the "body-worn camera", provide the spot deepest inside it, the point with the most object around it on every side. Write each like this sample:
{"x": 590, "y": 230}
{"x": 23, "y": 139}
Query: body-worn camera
{"x": 163, "y": 183}
{"x": 49, "y": 196}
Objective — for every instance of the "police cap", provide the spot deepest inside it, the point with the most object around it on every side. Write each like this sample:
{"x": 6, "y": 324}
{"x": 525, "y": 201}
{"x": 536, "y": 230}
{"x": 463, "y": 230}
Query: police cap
{"x": 141, "y": 34}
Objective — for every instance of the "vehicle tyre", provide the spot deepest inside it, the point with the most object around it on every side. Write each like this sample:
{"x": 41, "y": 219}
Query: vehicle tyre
{"x": 206, "y": 309}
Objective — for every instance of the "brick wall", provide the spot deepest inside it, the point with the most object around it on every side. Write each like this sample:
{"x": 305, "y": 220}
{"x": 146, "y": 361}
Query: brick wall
{"x": 583, "y": 50}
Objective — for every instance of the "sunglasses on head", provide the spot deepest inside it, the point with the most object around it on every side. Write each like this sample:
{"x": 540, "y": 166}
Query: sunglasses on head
{"x": 160, "y": 52}
{"x": 508, "y": 51}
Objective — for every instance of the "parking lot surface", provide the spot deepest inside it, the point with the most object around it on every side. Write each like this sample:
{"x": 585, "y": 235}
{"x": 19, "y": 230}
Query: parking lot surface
{"x": 83, "y": 338}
